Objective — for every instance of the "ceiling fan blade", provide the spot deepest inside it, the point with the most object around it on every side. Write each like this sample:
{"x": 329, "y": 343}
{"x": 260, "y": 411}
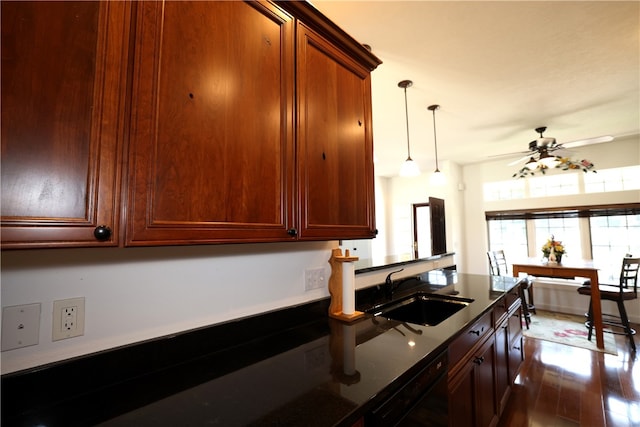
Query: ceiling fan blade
{"x": 515, "y": 162}
{"x": 588, "y": 141}
{"x": 515, "y": 153}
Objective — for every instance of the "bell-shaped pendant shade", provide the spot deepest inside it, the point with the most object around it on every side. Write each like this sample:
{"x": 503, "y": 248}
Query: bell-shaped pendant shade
{"x": 437, "y": 179}
{"x": 409, "y": 168}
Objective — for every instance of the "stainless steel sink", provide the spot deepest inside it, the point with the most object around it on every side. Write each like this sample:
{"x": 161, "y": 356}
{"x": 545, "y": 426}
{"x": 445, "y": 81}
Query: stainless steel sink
{"x": 422, "y": 308}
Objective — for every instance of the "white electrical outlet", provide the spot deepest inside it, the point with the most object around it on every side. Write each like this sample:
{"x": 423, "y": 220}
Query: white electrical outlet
{"x": 68, "y": 318}
{"x": 314, "y": 278}
{"x": 20, "y": 326}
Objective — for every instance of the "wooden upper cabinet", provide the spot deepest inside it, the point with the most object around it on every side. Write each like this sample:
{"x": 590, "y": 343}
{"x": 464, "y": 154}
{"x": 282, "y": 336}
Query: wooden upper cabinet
{"x": 334, "y": 142}
{"x": 191, "y": 121}
{"x": 211, "y": 143}
{"x": 63, "y": 109}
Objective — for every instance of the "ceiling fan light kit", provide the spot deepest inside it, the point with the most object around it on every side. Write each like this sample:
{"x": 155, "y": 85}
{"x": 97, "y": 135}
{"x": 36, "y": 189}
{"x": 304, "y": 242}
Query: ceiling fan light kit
{"x": 409, "y": 167}
{"x": 541, "y": 160}
{"x": 548, "y": 160}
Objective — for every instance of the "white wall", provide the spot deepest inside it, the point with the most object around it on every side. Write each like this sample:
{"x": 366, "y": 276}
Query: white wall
{"x": 134, "y": 294}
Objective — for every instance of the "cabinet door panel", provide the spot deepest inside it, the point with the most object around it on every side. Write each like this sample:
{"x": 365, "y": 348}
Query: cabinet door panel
{"x": 335, "y": 148}
{"x": 212, "y": 124}
{"x": 486, "y": 408}
{"x": 503, "y": 382}
{"x": 462, "y": 397}
{"x": 63, "y": 84}
{"x": 516, "y": 357}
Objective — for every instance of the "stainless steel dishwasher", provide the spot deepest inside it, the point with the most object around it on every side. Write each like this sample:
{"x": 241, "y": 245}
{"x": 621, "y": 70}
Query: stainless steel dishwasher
{"x": 423, "y": 401}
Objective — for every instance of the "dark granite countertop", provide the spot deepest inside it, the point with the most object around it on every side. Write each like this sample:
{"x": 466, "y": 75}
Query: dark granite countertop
{"x": 290, "y": 367}
{"x": 367, "y": 265}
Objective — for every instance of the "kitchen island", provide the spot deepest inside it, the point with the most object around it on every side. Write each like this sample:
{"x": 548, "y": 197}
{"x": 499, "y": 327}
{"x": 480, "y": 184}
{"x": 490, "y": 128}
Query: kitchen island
{"x": 294, "y": 366}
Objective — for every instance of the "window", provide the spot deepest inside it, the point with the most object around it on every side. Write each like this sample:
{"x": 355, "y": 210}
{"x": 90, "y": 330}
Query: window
{"x": 611, "y": 238}
{"x": 565, "y": 230}
{"x": 556, "y": 185}
{"x": 509, "y": 236}
{"x": 560, "y": 184}
{"x": 616, "y": 179}
{"x": 504, "y": 190}
{"x": 603, "y": 233}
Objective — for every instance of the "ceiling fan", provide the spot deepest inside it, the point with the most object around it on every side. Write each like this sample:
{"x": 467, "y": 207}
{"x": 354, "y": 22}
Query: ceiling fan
{"x": 540, "y": 149}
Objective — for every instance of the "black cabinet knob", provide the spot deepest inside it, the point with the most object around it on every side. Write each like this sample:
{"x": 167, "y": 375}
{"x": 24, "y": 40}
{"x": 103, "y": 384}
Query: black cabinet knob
{"x": 102, "y": 233}
{"x": 292, "y": 232}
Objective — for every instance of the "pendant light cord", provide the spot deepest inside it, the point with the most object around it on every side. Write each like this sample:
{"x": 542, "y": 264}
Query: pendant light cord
{"x": 406, "y": 114}
{"x": 433, "y": 108}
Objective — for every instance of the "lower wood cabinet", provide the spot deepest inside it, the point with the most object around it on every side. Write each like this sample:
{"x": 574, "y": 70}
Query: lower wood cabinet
{"x": 503, "y": 383}
{"x": 509, "y": 353}
{"x": 515, "y": 347}
{"x": 472, "y": 389}
{"x": 481, "y": 380}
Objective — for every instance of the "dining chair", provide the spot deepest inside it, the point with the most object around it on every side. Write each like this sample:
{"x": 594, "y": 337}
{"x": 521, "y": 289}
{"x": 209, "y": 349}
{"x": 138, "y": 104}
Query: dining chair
{"x": 498, "y": 267}
{"x": 625, "y": 290}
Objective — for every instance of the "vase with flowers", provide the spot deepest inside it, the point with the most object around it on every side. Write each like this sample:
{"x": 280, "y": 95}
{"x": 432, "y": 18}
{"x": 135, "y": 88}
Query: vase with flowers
{"x": 553, "y": 249}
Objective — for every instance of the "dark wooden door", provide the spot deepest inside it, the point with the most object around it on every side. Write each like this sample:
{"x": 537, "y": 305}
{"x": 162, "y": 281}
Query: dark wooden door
{"x": 438, "y": 226}
{"x": 64, "y": 68}
{"x": 211, "y": 156}
{"x": 335, "y": 145}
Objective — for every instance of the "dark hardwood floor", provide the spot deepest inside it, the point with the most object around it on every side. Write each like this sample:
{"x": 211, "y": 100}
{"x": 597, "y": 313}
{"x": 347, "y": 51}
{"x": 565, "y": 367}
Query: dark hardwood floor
{"x": 560, "y": 385}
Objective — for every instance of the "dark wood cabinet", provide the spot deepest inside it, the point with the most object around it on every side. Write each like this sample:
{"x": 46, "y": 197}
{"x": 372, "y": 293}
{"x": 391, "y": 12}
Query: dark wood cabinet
{"x": 472, "y": 388}
{"x": 472, "y": 375}
{"x": 63, "y": 116}
{"x": 211, "y": 154}
{"x": 221, "y": 151}
{"x": 503, "y": 384}
{"x": 335, "y": 144}
{"x": 195, "y": 122}
{"x": 509, "y": 350}
{"x": 515, "y": 347}
{"x": 486, "y": 362}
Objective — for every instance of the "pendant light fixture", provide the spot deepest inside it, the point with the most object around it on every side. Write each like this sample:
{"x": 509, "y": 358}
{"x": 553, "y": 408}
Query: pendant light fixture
{"x": 438, "y": 178}
{"x": 409, "y": 167}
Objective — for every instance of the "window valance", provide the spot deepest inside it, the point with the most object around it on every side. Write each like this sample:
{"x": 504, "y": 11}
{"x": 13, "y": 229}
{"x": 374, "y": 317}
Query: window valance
{"x": 566, "y": 212}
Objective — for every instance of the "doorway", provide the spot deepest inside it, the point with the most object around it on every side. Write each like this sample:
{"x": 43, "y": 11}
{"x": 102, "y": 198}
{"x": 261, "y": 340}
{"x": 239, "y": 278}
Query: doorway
{"x": 429, "y": 236}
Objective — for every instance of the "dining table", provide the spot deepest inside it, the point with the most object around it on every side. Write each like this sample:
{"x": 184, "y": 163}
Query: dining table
{"x": 569, "y": 269}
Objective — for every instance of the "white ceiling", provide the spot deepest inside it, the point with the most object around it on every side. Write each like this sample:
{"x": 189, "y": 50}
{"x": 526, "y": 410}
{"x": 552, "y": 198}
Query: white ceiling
{"x": 498, "y": 70}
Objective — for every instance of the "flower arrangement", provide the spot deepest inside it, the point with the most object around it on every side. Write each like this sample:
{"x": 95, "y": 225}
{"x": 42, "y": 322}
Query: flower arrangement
{"x": 558, "y": 248}
{"x": 564, "y": 163}
{"x": 567, "y": 164}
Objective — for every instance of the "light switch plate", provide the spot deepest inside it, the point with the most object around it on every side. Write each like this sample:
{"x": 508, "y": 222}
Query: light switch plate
{"x": 20, "y": 326}
{"x": 314, "y": 278}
